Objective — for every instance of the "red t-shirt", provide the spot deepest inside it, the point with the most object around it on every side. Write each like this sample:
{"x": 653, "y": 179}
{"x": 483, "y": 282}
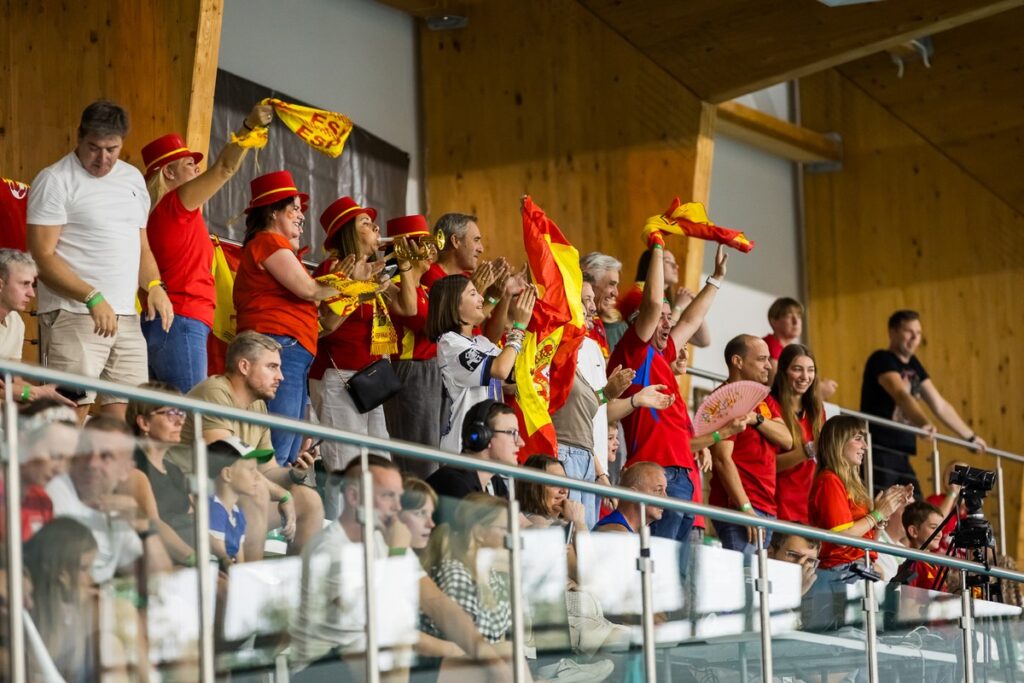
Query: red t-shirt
{"x": 349, "y": 345}
{"x": 433, "y": 274}
{"x": 36, "y": 509}
{"x": 793, "y": 485}
{"x": 661, "y": 436}
{"x": 831, "y": 508}
{"x": 754, "y": 457}
{"x": 774, "y": 346}
{"x": 924, "y": 575}
{"x": 184, "y": 253}
{"x": 413, "y": 343}
{"x": 265, "y": 305}
{"x": 13, "y": 206}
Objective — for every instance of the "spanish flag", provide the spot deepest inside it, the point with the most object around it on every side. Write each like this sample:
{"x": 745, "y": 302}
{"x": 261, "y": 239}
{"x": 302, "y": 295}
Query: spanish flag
{"x": 225, "y": 264}
{"x": 547, "y": 366}
{"x": 691, "y": 219}
{"x": 322, "y": 130}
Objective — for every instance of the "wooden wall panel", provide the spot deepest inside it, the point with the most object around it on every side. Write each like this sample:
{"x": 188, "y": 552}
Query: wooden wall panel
{"x": 540, "y": 97}
{"x": 157, "y": 59}
{"x": 903, "y": 226}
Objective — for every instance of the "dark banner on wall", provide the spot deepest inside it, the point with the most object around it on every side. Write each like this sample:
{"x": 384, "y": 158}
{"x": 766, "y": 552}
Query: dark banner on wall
{"x": 370, "y": 170}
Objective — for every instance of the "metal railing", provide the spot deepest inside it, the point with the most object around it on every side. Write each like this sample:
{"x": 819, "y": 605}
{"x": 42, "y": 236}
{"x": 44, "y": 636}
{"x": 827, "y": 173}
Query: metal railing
{"x": 366, "y": 443}
{"x": 935, "y": 439}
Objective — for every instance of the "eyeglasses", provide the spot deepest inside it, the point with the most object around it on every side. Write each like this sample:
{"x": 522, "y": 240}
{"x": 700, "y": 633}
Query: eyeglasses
{"x": 171, "y": 413}
{"x": 802, "y": 559}
{"x": 514, "y": 433}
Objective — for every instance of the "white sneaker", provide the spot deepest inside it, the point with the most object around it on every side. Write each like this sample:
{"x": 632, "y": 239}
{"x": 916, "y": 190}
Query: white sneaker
{"x": 571, "y": 671}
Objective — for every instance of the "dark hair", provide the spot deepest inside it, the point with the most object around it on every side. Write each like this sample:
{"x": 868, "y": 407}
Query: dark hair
{"x": 103, "y": 118}
{"x": 343, "y": 241}
{"x": 485, "y": 411}
{"x": 810, "y": 402}
{"x": 258, "y": 220}
{"x": 917, "y": 513}
{"x": 137, "y": 407}
{"x": 782, "y": 306}
{"x": 350, "y": 474}
{"x": 443, "y": 311}
{"x": 737, "y": 346}
{"x": 903, "y": 316}
{"x": 105, "y": 423}
{"x": 53, "y": 558}
{"x": 531, "y": 495}
{"x": 779, "y": 539}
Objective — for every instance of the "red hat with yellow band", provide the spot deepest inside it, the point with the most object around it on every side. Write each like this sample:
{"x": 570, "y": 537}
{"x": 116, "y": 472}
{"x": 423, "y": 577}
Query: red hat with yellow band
{"x": 340, "y": 212}
{"x": 164, "y": 150}
{"x": 272, "y": 188}
{"x": 408, "y": 226}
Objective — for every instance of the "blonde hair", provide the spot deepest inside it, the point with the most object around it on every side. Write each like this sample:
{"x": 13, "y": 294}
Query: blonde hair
{"x": 837, "y": 432}
{"x": 453, "y": 540}
{"x": 157, "y": 186}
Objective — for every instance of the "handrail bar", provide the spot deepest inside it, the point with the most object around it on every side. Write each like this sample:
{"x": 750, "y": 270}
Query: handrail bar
{"x": 518, "y": 473}
{"x": 883, "y": 422}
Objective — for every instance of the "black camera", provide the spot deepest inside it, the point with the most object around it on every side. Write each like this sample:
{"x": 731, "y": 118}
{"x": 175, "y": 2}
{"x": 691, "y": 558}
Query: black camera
{"x": 972, "y": 478}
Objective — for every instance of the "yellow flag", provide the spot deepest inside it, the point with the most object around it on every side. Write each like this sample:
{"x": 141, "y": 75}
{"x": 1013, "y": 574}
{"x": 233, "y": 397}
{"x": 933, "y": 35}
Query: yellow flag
{"x": 322, "y": 130}
{"x": 223, "y": 285}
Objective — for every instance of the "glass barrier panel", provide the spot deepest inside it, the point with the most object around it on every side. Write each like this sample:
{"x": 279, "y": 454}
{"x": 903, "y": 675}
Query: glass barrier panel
{"x": 920, "y": 634}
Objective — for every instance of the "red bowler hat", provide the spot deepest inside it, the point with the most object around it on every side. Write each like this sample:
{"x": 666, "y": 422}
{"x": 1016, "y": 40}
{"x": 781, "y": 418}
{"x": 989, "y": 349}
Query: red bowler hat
{"x": 164, "y": 150}
{"x": 408, "y": 226}
{"x": 273, "y": 187}
{"x": 340, "y": 212}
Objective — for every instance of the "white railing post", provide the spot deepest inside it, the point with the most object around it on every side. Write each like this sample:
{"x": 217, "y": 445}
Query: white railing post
{"x": 369, "y": 557}
{"x": 15, "y": 596}
{"x": 207, "y": 590}
{"x": 764, "y": 590}
{"x": 645, "y": 565}
{"x": 514, "y": 543}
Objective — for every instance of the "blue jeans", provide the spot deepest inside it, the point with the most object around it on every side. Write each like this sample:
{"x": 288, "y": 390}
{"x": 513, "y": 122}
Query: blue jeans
{"x": 579, "y": 464}
{"x": 177, "y": 356}
{"x": 291, "y": 398}
{"x": 675, "y": 525}
{"x": 734, "y": 536}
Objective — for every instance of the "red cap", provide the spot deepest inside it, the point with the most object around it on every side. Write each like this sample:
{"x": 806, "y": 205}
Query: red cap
{"x": 273, "y": 187}
{"x": 340, "y": 212}
{"x": 408, "y": 226}
{"x": 164, "y": 150}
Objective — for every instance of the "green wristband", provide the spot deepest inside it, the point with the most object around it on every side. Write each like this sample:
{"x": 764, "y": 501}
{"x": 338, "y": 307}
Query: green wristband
{"x": 492, "y": 301}
{"x": 519, "y": 326}
{"x": 601, "y": 396}
{"x": 26, "y": 394}
{"x": 285, "y": 498}
{"x": 96, "y": 300}
{"x": 716, "y": 436}
{"x": 877, "y": 516}
{"x": 396, "y": 552}
{"x": 746, "y": 507}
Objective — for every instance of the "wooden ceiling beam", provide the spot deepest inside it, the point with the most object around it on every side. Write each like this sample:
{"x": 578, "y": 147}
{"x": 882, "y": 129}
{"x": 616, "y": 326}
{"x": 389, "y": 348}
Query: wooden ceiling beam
{"x": 722, "y": 49}
{"x": 775, "y": 136}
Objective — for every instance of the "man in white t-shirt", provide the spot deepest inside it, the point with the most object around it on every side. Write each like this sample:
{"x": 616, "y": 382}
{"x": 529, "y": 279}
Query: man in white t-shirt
{"x": 17, "y": 287}
{"x": 87, "y": 218}
{"x": 86, "y": 493}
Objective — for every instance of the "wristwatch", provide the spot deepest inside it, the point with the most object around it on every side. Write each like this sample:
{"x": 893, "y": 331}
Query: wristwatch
{"x": 759, "y": 420}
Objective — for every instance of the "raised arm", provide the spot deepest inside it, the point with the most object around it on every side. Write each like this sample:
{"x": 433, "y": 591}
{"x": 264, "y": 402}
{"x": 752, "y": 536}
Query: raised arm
{"x": 521, "y": 312}
{"x": 200, "y": 189}
{"x": 947, "y": 413}
{"x": 654, "y": 291}
{"x": 693, "y": 316}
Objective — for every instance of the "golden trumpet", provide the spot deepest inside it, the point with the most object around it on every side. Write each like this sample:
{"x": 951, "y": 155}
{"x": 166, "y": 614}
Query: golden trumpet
{"x": 431, "y": 242}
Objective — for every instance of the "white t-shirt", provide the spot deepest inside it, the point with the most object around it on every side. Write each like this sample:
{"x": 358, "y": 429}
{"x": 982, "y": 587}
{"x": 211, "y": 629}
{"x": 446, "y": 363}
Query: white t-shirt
{"x": 465, "y": 364}
{"x": 100, "y": 240}
{"x": 118, "y": 545}
{"x": 590, "y": 363}
{"x": 12, "y": 336}
{"x": 332, "y": 607}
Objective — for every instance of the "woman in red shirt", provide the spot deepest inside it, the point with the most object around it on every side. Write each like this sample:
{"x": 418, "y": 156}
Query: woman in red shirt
{"x": 796, "y": 390}
{"x": 839, "y": 500}
{"x": 181, "y": 246}
{"x": 352, "y": 232}
{"x": 274, "y": 295}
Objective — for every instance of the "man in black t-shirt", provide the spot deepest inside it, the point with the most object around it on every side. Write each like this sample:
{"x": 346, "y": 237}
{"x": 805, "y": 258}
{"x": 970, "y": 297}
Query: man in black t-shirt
{"x": 894, "y": 384}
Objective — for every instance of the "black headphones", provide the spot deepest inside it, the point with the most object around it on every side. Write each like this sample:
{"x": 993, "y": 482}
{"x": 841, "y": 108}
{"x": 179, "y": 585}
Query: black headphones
{"x": 476, "y": 434}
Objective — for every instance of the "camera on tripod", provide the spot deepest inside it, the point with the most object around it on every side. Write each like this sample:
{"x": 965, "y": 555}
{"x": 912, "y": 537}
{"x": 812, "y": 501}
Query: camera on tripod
{"x": 972, "y": 478}
{"x": 973, "y": 531}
